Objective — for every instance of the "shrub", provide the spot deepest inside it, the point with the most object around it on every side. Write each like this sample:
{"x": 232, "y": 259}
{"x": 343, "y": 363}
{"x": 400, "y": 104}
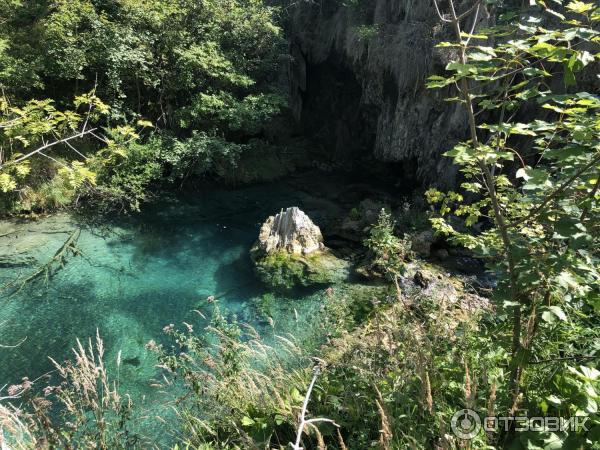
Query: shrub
{"x": 389, "y": 251}
{"x": 124, "y": 181}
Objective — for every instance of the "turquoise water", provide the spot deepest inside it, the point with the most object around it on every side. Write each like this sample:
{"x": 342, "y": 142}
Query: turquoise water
{"x": 138, "y": 275}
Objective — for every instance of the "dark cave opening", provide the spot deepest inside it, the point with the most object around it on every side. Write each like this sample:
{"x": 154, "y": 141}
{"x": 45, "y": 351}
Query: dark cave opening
{"x": 333, "y": 116}
{"x": 342, "y": 128}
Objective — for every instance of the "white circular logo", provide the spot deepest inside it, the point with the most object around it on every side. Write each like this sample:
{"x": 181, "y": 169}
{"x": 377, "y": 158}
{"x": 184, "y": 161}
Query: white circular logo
{"x": 466, "y": 424}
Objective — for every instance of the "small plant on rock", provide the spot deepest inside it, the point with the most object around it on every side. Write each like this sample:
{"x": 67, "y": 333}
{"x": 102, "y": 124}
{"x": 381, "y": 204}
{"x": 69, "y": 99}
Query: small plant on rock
{"x": 389, "y": 251}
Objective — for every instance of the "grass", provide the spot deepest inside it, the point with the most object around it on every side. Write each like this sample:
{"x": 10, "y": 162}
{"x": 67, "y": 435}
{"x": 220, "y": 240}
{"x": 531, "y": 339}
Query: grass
{"x": 390, "y": 376}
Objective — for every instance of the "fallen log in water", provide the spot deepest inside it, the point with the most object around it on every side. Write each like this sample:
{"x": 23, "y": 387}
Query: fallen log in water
{"x": 58, "y": 259}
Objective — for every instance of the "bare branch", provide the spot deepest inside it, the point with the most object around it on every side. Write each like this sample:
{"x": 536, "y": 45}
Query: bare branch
{"x": 51, "y": 144}
{"x": 10, "y": 346}
{"x": 437, "y": 8}
{"x": 15, "y": 345}
{"x": 474, "y": 25}
{"x": 75, "y": 150}
{"x": 91, "y": 105}
{"x": 100, "y": 138}
{"x": 56, "y": 161}
{"x": 470, "y": 10}
{"x": 303, "y": 420}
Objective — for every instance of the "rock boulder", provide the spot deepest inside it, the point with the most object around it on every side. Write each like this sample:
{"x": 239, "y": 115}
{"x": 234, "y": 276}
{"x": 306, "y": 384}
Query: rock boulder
{"x": 422, "y": 242}
{"x": 291, "y": 231}
{"x": 290, "y": 252}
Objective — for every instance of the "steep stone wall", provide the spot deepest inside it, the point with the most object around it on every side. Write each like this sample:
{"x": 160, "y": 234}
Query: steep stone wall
{"x": 358, "y": 83}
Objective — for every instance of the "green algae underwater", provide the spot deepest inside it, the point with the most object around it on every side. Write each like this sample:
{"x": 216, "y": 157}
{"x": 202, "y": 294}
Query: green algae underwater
{"x": 138, "y": 274}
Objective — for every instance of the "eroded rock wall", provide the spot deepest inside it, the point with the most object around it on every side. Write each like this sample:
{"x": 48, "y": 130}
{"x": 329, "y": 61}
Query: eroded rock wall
{"x": 358, "y": 74}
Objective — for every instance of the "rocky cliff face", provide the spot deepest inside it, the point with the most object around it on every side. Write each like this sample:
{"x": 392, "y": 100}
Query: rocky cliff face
{"x": 358, "y": 76}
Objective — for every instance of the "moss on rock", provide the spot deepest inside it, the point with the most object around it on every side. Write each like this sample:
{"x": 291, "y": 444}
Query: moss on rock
{"x": 283, "y": 270}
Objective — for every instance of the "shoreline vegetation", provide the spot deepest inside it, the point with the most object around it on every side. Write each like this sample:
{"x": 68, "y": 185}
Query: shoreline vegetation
{"x": 483, "y": 300}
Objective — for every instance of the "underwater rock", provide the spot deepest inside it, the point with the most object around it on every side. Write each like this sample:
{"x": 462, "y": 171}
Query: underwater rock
{"x": 134, "y": 361}
{"x": 290, "y": 252}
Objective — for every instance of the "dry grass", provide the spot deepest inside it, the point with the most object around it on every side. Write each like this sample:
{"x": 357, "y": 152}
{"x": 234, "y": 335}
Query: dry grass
{"x": 92, "y": 409}
{"x": 385, "y": 433}
{"x": 15, "y": 434}
{"x": 263, "y": 379}
{"x": 91, "y": 389}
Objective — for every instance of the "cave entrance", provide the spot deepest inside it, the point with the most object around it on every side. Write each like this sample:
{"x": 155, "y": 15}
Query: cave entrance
{"x": 333, "y": 117}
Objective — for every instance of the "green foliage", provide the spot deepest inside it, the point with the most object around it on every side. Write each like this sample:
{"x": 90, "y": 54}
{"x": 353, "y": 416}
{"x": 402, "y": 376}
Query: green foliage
{"x": 199, "y": 72}
{"x": 223, "y": 111}
{"x": 60, "y": 190}
{"x": 27, "y": 135}
{"x": 389, "y": 251}
{"x": 531, "y": 180}
{"x": 124, "y": 181}
{"x": 180, "y": 64}
{"x": 199, "y": 154}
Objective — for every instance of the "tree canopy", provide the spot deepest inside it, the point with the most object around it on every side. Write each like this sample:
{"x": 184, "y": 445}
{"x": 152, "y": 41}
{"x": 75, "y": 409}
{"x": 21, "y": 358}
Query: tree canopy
{"x": 199, "y": 75}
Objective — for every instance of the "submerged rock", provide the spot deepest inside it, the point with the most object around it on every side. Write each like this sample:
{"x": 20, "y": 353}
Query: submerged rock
{"x": 283, "y": 270}
{"x": 290, "y": 252}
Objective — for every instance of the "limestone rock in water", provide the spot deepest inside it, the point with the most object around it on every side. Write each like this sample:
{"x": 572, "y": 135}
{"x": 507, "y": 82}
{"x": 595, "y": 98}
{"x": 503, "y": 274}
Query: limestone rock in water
{"x": 290, "y": 252}
{"x": 292, "y": 231}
